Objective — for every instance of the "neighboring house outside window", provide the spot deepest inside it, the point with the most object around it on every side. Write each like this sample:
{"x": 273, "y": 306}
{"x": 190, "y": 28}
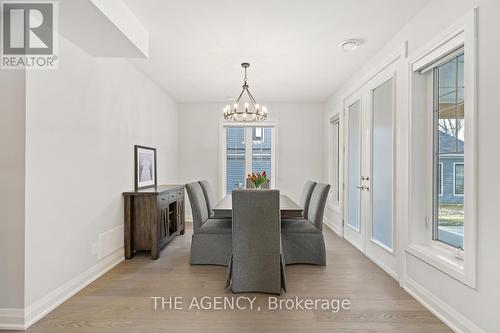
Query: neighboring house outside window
{"x": 449, "y": 167}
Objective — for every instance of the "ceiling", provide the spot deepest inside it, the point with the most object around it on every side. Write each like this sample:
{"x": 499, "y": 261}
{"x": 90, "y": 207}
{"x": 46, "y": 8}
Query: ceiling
{"x": 196, "y": 46}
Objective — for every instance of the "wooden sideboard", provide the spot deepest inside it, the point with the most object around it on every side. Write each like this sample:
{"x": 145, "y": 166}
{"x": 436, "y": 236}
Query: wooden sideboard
{"x": 153, "y": 217}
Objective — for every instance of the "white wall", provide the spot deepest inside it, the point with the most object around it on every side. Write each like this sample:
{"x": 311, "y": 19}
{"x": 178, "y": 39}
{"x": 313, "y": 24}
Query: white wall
{"x": 463, "y": 306}
{"x": 12, "y": 163}
{"x": 300, "y": 154}
{"x": 83, "y": 120}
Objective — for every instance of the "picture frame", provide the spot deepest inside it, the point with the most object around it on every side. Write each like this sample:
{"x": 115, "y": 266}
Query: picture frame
{"x": 144, "y": 167}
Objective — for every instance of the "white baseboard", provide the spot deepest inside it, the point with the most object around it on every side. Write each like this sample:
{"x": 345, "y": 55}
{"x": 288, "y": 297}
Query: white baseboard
{"x": 386, "y": 269}
{"x": 11, "y": 319}
{"x": 52, "y": 300}
{"x": 455, "y": 320}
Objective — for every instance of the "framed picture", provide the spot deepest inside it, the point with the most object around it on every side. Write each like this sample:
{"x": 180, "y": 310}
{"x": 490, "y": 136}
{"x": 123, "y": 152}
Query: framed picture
{"x": 145, "y": 167}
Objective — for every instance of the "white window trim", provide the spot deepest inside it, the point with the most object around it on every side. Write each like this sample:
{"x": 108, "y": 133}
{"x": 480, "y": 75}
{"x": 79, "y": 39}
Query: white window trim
{"x": 222, "y": 150}
{"x": 435, "y": 253}
{"x": 455, "y": 178}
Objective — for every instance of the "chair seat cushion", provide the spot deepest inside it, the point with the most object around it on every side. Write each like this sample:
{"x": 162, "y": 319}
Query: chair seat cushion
{"x": 216, "y": 226}
{"x": 298, "y": 226}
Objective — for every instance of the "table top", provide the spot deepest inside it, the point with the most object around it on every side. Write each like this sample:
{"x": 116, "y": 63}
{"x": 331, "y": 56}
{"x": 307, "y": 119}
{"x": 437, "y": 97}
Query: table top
{"x": 155, "y": 190}
{"x": 287, "y": 207}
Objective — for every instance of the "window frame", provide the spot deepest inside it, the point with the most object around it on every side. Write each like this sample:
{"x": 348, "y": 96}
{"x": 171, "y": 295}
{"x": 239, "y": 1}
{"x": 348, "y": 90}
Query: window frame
{"x": 445, "y": 258}
{"x": 248, "y": 150}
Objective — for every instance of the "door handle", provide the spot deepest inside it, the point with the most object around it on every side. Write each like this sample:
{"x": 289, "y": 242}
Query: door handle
{"x": 363, "y": 188}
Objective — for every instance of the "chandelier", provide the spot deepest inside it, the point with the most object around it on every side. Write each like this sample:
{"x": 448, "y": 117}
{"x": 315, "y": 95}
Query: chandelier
{"x": 245, "y": 108}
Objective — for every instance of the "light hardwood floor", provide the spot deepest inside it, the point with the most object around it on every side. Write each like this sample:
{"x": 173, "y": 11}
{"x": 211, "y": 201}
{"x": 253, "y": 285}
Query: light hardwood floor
{"x": 120, "y": 300}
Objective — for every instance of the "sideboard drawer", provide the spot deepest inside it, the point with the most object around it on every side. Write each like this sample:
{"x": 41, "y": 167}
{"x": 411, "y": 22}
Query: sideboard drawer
{"x": 163, "y": 200}
{"x": 172, "y": 196}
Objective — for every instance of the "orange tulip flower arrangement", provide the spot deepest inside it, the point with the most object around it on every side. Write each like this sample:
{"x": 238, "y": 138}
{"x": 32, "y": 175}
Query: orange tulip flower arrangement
{"x": 258, "y": 178}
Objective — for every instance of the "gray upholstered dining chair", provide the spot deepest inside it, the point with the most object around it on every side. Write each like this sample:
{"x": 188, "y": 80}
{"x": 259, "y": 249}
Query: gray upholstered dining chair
{"x": 211, "y": 241}
{"x": 302, "y": 239}
{"x": 305, "y": 197}
{"x": 209, "y": 196}
{"x": 256, "y": 263}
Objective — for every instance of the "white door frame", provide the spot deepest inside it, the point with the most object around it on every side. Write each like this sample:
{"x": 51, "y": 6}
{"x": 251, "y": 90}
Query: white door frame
{"x": 393, "y": 262}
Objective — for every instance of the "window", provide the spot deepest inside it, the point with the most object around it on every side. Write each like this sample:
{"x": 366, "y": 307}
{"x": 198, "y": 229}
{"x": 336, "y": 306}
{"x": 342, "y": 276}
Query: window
{"x": 449, "y": 139}
{"x": 443, "y": 116}
{"x": 247, "y": 150}
{"x": 335, "y": 160}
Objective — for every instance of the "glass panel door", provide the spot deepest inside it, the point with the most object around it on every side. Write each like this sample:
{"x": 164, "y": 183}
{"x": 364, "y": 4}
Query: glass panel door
{"x": 382, "y": 164}
{"x": 354, "y": 165}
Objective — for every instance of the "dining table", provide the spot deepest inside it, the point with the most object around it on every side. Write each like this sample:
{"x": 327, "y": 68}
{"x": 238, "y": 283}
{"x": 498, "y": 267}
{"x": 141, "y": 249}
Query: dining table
{"x": 289, "y": 209}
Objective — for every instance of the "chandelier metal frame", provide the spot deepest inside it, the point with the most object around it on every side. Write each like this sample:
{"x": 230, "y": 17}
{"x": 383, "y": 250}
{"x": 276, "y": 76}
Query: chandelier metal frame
{"x": 252, "y": 111}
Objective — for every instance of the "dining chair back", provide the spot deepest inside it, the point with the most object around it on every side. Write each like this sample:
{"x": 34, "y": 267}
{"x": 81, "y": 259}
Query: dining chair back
{"x": 305, "y": 197}
{"x": 209, "y": 195}
{"x": 256, "y": 264}
{"x": 198, "y": 204}
{"x": 317, "y": 204}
